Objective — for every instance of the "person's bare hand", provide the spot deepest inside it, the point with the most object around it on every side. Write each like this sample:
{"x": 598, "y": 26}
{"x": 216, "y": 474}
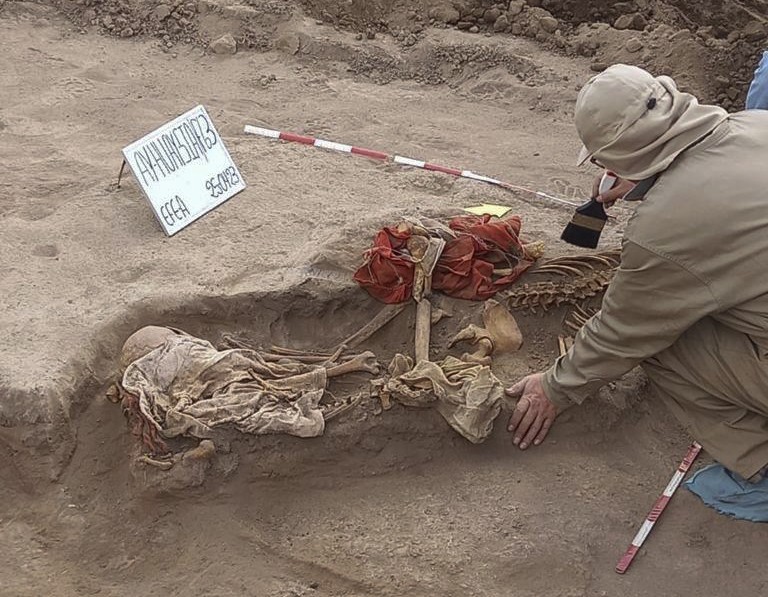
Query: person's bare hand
{"x": 619, "y": 189}
{"x": 534, "y": 413}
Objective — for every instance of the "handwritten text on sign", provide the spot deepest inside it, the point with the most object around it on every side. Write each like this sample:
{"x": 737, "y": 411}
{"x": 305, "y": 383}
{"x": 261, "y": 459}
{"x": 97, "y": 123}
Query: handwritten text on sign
{"x": 184, "y": 169}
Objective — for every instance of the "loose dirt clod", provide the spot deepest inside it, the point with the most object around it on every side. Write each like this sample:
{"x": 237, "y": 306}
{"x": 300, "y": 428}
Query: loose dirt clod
{"x": 226, "y": 44}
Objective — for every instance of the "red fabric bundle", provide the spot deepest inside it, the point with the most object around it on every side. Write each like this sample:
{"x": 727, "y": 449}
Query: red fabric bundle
{"x": 387, "y": 270}
{"x": 465, "y": 269}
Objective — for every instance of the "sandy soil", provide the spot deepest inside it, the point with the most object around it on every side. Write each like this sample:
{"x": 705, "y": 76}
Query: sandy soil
{"x": 385, "y": 504}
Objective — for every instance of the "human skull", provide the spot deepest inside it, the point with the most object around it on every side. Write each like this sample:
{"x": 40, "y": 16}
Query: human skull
{"x": 144, "y": 341}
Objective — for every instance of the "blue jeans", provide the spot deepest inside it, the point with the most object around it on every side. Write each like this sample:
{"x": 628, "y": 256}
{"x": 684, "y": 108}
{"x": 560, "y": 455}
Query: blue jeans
{"x": 757, "y": 97}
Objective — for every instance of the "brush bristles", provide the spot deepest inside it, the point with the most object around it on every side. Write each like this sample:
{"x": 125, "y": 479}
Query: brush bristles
{"x": 580, "y": 236}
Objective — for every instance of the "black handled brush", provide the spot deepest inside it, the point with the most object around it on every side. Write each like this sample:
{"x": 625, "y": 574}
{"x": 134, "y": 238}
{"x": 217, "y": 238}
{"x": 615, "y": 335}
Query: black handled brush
{"x": 588, "y": 222}
{"x": 586, "y": 225}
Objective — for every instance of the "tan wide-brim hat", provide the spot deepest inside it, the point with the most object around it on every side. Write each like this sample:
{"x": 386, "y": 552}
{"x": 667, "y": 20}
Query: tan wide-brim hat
{"x": 584, "y": 155}
{"x": 636, "y": 124}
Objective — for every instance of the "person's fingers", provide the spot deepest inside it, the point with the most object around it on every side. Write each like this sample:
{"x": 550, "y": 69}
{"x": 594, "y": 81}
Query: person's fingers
{"x": 518, "y": 414}
{"x": 532, "y": 432}
{"x": 596, "y": 185}
{"x": 610, "y": 197}
{"x": 621, "y": 188}
{"x": 522, "y": 429}
{"x": 544, "y": 430}
{"x": 517, "y": 389}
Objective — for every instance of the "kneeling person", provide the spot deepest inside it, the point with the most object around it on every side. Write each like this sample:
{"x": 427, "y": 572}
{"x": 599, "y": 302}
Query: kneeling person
{"x": 689, "y": 302}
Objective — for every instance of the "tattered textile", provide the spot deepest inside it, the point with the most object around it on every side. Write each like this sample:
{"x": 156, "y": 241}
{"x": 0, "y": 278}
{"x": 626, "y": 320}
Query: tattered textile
{"x": 467, "y": 395}
{"x": 186, "y": 388}
{"x": 475, "y": 247}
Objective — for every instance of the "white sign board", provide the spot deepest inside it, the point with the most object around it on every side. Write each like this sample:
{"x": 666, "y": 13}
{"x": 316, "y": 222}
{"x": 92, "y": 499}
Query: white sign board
{"x": 184, "y": 169}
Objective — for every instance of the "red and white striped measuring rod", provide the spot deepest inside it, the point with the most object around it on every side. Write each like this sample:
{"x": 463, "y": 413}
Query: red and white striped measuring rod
{"x": 398, "y": 159}
{"x": 658, "y": 508}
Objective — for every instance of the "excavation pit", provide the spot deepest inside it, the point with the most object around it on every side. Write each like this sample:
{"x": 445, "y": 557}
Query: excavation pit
{"x": 385, "y": 504}
{"x": 317, "y": 317}
{"x": 391, "y": 502}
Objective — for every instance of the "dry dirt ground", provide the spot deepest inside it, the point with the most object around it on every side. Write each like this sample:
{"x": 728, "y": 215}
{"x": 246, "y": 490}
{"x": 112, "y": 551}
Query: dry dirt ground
{"x": 385, "y": 504}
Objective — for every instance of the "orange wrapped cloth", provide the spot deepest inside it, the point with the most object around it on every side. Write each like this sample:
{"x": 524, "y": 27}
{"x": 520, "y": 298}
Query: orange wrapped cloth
{"x": 475, "y": 247}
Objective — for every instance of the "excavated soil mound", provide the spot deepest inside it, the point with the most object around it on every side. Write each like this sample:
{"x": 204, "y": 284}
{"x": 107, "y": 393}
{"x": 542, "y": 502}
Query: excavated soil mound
{"x": 664, "y": 36}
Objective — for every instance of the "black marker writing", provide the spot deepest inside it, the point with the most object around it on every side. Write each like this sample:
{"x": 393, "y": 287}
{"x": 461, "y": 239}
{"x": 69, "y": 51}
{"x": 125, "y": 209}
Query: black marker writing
{"x": 222, "y": 182}
{"x": 188, "y": 141}
{"x": 174, "y": 210}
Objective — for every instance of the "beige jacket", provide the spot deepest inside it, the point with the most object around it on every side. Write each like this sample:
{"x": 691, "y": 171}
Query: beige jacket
{"x": 697, "y": 246}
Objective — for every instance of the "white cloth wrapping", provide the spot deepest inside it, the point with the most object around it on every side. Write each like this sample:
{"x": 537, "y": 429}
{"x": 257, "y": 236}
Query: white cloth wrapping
{"x": 187, "y": 387}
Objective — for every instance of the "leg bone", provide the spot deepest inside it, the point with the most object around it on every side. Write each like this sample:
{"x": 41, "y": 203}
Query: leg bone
{"x": 365, "y": 362}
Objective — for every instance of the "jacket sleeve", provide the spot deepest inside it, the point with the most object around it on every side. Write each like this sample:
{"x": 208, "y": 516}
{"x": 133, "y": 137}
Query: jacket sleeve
{"x": 650, "y": 302}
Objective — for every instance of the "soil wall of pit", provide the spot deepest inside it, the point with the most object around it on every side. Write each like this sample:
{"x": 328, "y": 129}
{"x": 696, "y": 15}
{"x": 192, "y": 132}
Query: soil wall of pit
{"x": 712, "y": 48}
